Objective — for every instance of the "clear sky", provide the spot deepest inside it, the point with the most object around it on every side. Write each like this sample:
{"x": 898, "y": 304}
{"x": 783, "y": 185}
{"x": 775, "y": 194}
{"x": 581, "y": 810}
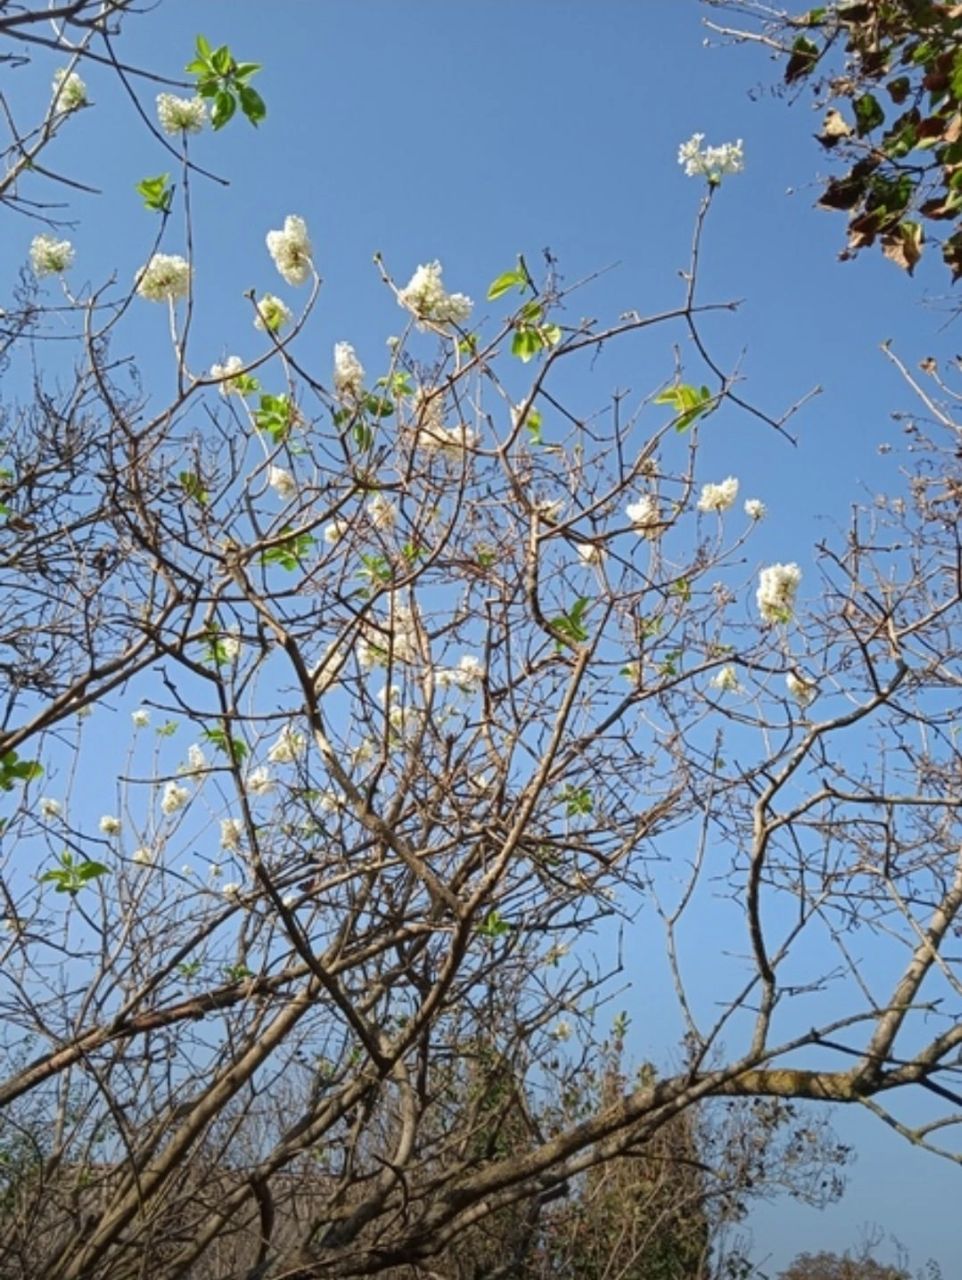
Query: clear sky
{"x": 472, "y": 130}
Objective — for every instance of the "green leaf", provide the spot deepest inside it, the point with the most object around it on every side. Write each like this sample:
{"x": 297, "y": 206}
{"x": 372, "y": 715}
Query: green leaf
{"x": 515, "y": 279}
{"x": 203, "y": 48}
{"x": 803, "y": 58}
{"x": 493, "y": 926}
{"x": 225, "y": 104}
{"x": 868, "y": 114}
{"x": 688, "y": 402}
{"x": 291, "y": 552}
{"x": 533, "y": 426}
{"x": 193, "y": 487}
{"x": 233, "y": 748}
{"x": 221, "y": 61}
{"x": 244, "y": 70}
{"x": 157, "y": 193}
{"x": 578, "y": 801}
{"x": 526, "y": 344}
{"x": 252, "y": 104}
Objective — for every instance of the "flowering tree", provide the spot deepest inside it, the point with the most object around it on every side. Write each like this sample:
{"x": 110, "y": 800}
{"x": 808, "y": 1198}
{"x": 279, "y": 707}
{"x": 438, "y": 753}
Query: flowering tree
{"x": 428, "y": 678}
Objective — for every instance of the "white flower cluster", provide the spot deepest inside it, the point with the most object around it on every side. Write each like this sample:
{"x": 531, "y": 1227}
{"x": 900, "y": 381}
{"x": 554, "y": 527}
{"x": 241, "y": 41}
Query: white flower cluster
{"x": 282, "y": 482}
{"x": 181, "y": 115}
{"x": 174, "y": 797}
{"x": 291, "y": 250}
{"x": 382, "y": 512}
{"x": 755, "y": 509}
{"x": 231, "y": 833}
{"x": 335, "y": 531}
{"x": 226, "y": 372}
{"x": 50, "y": 257}
{"x": 50, "y": 808}
{"x": 718, "y": 497}
{"x": 260, "y": 782}
{"x": 289, "y": 745}
{"x": 644, "y": 515}
{"x": 777, "y": 585}
{"x": 802, "y": 690}
{"x": 465, "y": 677}
{"x": 726, "y": 680}
{"x": 69, "y": 91}
{"x": 140, "y": 718}
{"x": 109, "y": 825}
{"x": 712, "y": 163}
{"x": 165, "y": 277}
{"x": 348, "y": 372}
{"x": 272, "y": 314}
{"x": 424, "y": 295}
{"x": 590, "y": 553}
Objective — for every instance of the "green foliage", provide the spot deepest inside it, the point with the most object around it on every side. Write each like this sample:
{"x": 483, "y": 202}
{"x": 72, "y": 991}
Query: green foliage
{"x": 689, "y": 403}
{"x": 157, "y": 193}
{"x": 192, "y": 485}
{"x": 291, "y": 553}
{"x": 578, "y": 801}
{"x": 571, "y": 625}
{"x": 73, "y": 873}
{"x": 516, "y": 279}
{"x": 531, "y": 332}
{"x": 275, "y": 417}
{"x": 224, "y": 80}
{"x": 14, "y": 770}
{"x": 902, "y": 178}
{"x": 234, "y": 748}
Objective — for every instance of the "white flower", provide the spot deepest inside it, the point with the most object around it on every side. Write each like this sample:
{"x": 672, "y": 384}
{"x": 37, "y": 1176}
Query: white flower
{"x": 289, "y": 745}
{"x": 272, "y": 314}
{"x": 50, "y": 808}
{"x": 590, "y": 552}
{"x": 289, "y": 900}
{"x": 466, "y": 676}
{"x": 335, "y": 531}
{"x": 165, "y": 277}
{"x": 328, "y": 670}
{"x": 231, "y": 889}
{"x": 644, "y": 514}
{"x": 550, "y": 508}
{"x": 140, "y": 718}
{"x": 174, "y": 797}
{"x": 348, "y": 372}
{"x": 330, "y": 802}
{"x": 69, "y": 90}
{"x": 181, "y": 115}
{"x": 291, "y": 250}
{"x": 561, "y": 1031}
{"x": 50, "y": 257}
{"x": 282, "y": 482}
{"x": 109, "y": 825}
{"x": 363, "y": 752}
{"x": 802, "y": 690}
{"x": 777, "y": 585}
{"x": 383, "y": 512}
{"x": 260, "y": 782}
{"x": 230, "y": 645}
{"x": 725, "y": 680}
{"x": 718, "y": 497}
{"x": 143, "y": 857}
{"x": 755, "y": 509}
{"x": 231, "y": 831}
{"x": 226, "y": 371}
{"x": 196, "y": 760}
{"x": 215, "y": 871}
{"x": 712, "y": 163}
{"x": 424, "y": 295}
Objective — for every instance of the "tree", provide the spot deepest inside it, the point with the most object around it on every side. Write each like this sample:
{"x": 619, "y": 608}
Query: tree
{"x": 834, "y": 1266}
{"x": 891, "y": 76}
{"x": 430, "y": 674}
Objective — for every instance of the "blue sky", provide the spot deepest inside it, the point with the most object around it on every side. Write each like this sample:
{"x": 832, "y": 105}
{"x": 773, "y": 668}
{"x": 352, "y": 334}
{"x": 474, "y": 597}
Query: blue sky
{"x": 471, "y": 131}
